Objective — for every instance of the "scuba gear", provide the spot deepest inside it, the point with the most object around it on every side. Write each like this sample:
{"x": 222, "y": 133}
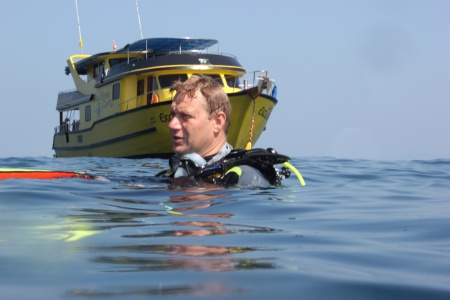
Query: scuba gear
{"x": 261, "y": 159}
{"x": 219, "y": 172}
{"x": 187, "y": 164}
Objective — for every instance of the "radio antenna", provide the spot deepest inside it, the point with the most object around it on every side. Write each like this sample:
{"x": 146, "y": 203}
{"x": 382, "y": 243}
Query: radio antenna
{"x": 139, "y": 19}
{"x": 79, "y": 27}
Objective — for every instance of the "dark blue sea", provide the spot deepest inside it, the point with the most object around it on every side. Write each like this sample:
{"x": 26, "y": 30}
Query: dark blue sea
{"x": 359, "y": 229}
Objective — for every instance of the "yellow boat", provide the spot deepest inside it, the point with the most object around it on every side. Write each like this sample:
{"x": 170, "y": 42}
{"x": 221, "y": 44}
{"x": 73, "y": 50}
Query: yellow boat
{"x": 121, "y": 105}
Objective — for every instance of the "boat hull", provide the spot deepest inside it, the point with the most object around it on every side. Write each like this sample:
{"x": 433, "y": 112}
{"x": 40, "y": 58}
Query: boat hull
{"x": 143, "y": 132}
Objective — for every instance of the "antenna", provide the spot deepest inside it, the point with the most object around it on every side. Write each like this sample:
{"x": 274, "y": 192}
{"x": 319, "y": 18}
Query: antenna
{"x": 139, "y": 19}
{"x": 79, "y": 27}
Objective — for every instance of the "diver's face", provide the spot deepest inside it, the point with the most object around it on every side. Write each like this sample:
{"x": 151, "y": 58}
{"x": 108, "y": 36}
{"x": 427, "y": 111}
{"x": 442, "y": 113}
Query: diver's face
{"x": 191, "y": 128}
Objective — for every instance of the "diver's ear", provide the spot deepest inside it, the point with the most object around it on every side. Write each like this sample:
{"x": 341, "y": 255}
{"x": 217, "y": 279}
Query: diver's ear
{"x": 219, "y": 121}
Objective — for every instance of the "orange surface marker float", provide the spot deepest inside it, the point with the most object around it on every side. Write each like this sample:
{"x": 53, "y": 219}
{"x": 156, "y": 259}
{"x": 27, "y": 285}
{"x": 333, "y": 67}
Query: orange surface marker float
{"x": 11, "y": 173}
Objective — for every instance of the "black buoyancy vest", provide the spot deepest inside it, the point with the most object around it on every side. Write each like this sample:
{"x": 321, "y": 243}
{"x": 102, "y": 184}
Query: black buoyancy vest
{"x": 263, "y": 160}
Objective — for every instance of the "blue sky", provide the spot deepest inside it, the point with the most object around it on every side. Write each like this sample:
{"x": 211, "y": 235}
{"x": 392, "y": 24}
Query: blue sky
{"x": 356, "y": 79}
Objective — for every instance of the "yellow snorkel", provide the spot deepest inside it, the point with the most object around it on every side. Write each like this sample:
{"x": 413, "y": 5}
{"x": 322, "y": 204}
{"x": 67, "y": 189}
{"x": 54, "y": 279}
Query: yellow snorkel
{"x": 296, "y": 172}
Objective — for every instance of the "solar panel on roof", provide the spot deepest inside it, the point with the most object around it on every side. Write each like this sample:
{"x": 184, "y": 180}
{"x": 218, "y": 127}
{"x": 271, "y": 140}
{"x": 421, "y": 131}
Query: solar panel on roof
{"x": 169, "y": 44}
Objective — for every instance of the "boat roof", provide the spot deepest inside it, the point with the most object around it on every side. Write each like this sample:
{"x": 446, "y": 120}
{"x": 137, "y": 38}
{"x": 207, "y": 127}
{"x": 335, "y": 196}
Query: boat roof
{"x": 151, "y": 45}
{"x": 162, "y": 45}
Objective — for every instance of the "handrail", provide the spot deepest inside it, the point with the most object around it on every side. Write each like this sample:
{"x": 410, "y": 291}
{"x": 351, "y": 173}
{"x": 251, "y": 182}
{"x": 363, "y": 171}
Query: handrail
{"x": 67, "y": 91}
{"x": 248, "y": 80}
{"x": 255, "y": 76}
{"x": 126, "y": 102}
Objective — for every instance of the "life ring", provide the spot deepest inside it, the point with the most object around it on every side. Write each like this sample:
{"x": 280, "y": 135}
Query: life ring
{"x": 155, "y": 99}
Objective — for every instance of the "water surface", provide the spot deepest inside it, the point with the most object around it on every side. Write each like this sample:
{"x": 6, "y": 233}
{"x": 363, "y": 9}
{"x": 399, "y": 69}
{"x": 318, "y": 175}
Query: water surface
{"x": 359, "y": 229}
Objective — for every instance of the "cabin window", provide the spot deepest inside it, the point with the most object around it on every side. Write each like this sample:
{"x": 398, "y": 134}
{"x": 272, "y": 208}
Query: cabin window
{"x": 140, "y": 87}
{"x": 232, "y": 81}
{"x": 155, "y": 84}
{"x": 116, "y": 62}
{"x": 217, "y": 78}
{"x": 101, "y": 69}
{"x": 87, "y": 113}
{"x": 116, "y": 91}
{"x": 95, "y": 71}
{"x": 166, "y": 81}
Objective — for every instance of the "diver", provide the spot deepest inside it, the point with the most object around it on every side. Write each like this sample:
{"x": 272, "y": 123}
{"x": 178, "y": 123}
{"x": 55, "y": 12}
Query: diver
{"x": 199, "y": 126}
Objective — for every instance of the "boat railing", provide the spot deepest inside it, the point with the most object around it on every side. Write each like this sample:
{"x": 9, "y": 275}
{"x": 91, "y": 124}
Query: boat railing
{"x": 258, "y": 78}
{"x": 67, "y": 91}
{"x": 136, "y": 101}
{"x": 68, "y": 127}
{"x": 58, "y": 129}
{"x": 249, "y": 80}
{"x": 196, "y": 52}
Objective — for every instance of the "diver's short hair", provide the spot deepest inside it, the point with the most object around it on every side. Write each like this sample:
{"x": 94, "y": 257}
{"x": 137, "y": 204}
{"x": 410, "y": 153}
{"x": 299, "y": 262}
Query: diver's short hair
{"x": 216, "y": 98}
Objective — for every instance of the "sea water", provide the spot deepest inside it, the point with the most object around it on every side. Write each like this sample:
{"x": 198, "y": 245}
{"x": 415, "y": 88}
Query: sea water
{"x": 359, "y": 229}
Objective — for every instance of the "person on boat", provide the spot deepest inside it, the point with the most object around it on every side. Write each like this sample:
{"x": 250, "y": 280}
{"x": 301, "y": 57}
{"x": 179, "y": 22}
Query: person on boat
{"x": 200, "y": 119}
